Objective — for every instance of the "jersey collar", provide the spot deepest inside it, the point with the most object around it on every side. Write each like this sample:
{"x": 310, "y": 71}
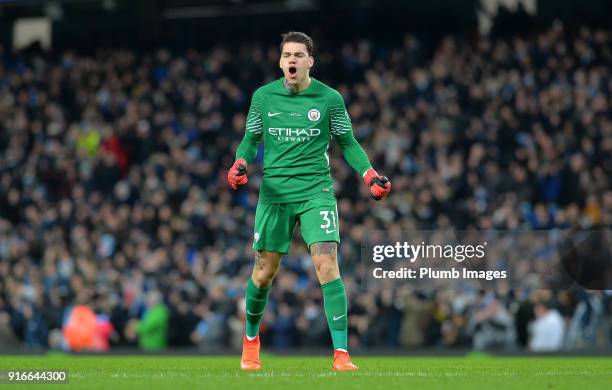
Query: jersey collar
{"x": 288, "y": 91}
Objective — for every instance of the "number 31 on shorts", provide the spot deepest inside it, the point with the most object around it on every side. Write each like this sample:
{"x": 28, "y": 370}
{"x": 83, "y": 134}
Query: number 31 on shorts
{"x": 329, "y": 221}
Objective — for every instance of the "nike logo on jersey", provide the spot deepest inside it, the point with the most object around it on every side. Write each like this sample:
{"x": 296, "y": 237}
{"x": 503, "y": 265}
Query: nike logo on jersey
{"x": 329, "y": 231}
{"x": 271, "y": 114}
{"x": 337, "y": 318}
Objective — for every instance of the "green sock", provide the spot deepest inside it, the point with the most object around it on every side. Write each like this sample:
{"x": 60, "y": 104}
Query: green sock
{"x": 334, "y": 301}
{"x": 256, "y": 299}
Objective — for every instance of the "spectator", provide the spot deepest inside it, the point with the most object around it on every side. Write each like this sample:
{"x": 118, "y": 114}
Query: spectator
{"x": 492, "y": 324}
{"x": 548, "y": 328}
{"x": 152, "y": 329}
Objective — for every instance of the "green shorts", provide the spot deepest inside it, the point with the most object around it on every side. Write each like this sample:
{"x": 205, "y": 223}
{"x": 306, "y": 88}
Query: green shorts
{"x": 275, "y": 223}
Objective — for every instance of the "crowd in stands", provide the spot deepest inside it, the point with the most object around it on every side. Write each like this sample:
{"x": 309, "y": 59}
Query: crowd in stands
{"x": 113, "y": 192}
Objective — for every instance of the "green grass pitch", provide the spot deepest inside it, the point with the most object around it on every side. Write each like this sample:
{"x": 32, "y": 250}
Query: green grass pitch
{"x": 282, "y": 372}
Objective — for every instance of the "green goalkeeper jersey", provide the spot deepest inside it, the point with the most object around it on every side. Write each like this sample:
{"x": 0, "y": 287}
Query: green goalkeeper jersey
{"x": 296, "y": 130}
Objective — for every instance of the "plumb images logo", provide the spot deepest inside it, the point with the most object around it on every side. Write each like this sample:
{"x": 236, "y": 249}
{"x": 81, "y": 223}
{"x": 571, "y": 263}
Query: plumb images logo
{"x": 541, "y": 259}
{"x": 586, "y": 258}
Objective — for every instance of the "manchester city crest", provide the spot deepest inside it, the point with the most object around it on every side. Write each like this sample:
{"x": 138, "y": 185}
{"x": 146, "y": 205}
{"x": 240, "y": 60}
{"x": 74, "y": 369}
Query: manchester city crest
{"x": 314, "y": 115}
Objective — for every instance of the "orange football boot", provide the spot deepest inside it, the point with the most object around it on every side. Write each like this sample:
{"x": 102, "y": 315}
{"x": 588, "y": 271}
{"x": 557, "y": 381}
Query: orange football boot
{"x": 342, "y": 362}
{"x": 250, "y": 354}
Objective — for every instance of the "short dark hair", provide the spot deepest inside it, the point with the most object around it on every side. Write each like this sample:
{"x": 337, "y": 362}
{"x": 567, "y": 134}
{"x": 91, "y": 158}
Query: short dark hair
{"x": 298, "y": 37}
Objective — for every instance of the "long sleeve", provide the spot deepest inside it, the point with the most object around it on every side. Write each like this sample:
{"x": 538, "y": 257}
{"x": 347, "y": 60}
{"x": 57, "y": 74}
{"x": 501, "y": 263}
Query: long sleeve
{"x": 342, "y": 129}
{"x": 253, "y": 131}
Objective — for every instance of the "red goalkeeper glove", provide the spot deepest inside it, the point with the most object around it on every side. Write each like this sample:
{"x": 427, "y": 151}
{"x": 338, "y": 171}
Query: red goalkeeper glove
{"x": 378, "y": 185}
{"x": 237, "y": 175}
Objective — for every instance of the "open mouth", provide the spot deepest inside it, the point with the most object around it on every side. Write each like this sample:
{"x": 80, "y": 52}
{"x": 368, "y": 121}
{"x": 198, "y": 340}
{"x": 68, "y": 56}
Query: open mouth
{"x": 292, "y": 70}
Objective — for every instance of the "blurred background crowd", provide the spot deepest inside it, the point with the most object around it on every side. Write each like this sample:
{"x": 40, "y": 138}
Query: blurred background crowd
{"x": 115, "y": 210}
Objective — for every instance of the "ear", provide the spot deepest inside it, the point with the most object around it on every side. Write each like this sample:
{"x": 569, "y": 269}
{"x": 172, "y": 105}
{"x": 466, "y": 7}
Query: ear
{"x": 310, "y": 61}
{"x": 280, "y": 63}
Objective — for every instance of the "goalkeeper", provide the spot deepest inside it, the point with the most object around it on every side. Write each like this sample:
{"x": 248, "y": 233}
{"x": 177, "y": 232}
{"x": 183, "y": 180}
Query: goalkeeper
{"x": 296, "y": 116}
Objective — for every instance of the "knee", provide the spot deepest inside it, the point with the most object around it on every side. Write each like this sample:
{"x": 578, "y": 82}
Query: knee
{"x": 262, "y": 277}
{"x": 264, "y": 270}
{"x": 326, "y": 269}
{"x": 324, "y": 258}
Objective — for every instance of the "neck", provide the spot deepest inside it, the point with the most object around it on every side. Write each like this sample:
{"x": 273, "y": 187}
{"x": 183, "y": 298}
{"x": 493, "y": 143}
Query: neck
{"x": 300, "y": 86}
